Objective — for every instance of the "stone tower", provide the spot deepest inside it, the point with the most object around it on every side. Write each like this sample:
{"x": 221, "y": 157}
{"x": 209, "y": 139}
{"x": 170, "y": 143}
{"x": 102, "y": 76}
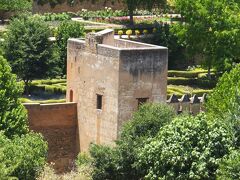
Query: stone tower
{"x": 109, "y": 78}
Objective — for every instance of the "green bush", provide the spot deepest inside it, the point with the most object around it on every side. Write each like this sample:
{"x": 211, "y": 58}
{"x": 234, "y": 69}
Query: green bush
{"x": 38, "y": 59}
{"x": 187, "y": 148}
{"x": 66, "y": 30}
{"x": 180, "y": 81}
{"x": 147, "y": 121}
{"x": 224, "y": 101}
{"x": 185, "y": 74}
{"x": 119, "y": 162}
{"x": 23, "y": 157}
{"x": 104, "y": 161}
{"x": 13, "y": 116}
{"x": 229, "y": 168}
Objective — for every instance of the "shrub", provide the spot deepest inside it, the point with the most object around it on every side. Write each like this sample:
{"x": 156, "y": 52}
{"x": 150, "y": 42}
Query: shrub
{"x": 66, "y": 30}
{"x": 119, "y": 162}
{"x": 185, "y": 74}
{"x": 230, "y": 167}
{"x": 13, "y": 116}
{"x": 180, "y": 81}
{"x": 23, "y": 157}
{"x": 104, "y": 162}
{"x": 28, "y": 50}
{"x": 145, "y": 123}
{"x": 187, "y": 148}
{"x": 224, "y": 102}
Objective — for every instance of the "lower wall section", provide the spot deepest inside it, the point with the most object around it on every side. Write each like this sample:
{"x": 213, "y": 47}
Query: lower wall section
{"x": 58, "y": 125}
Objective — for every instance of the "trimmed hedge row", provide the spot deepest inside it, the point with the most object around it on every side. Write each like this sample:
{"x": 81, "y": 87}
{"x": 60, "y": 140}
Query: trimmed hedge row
{"x": 186, "y": 74}
{"x": 199, "y": 82}
{"x": 179, "y": 92}
{"x": 25, "y": 100}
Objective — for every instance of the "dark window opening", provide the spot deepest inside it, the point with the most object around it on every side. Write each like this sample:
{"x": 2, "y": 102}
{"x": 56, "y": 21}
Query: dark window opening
{"x": 71, "y": 95}
{"x": 99, "y": 101}
{"x": 141, "y": 101}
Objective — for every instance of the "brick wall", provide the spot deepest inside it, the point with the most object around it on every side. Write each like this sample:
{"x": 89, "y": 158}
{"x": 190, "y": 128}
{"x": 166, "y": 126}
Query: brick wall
{"x": 58, "y": 124}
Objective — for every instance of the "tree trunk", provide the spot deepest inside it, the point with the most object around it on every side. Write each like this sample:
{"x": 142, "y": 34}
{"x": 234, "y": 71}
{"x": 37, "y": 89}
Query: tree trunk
{"x": 131, "y": 17}
{"x": 26, "y": 88}
{"x": 209, "y": 71}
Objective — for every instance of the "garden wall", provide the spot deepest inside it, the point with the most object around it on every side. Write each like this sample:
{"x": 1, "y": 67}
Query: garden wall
{"x": 85, "y": 4}
{"x": 58, "y": 124}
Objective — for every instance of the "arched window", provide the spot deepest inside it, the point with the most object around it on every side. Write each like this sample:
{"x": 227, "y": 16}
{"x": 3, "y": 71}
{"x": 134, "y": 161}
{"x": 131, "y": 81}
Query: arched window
{"x": 71, "y": 95}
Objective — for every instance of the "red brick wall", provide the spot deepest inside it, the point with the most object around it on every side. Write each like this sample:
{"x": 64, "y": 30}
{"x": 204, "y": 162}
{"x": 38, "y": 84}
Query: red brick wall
{"x": 58, "y": 124}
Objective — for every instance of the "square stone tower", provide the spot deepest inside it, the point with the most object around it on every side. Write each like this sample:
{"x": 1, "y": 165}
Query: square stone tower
{"x": 109, "y": 78}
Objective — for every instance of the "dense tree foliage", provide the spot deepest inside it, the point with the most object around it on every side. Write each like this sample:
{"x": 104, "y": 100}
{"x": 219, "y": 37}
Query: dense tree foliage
{"x": 224, "y": 102}
{"x": 22, "y": 154}
{"x": 230, "y": 167}
{"x": 66, "y": 30}
{"x": 210, "y": 29}
{"x": 13, "y": 116}
{"x": 14, "y": 6}
{"x": 28, "y": 49}
{"x": 22, "y": 157}
{"x": 187, "y": 148}
{"x": 119, "y": 162}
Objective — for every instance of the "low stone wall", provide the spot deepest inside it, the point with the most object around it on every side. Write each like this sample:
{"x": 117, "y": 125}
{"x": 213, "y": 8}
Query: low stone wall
{"x": 58, "y": 125}
{"x": 187, "y": 104}
{"x": 85, "y": 4}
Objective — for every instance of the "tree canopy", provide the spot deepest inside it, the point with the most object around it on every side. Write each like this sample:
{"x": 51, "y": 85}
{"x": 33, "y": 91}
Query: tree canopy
{"x": 13, "y": 116}
{"x": 211, "y": 29}
{"x": 28, "y": 49}
{"x": 66, "y": 30}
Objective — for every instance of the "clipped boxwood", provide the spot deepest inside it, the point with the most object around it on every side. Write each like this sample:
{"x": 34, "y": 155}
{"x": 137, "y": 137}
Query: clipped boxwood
{"x": 186, "y": 74}
{"x": 180, "y": 81}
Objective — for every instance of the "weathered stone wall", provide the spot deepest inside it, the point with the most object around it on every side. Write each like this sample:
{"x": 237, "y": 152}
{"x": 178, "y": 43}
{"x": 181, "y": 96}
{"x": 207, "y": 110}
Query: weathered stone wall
{"x": 142, "y": 74}
{"x": 85, "y": 4}
{"x": 58, "y": 125}
{"x": 90, "y": 73}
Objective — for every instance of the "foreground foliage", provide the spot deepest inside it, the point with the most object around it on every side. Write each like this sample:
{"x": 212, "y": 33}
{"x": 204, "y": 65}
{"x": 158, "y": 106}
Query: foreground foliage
{"x": 187, "y": 148}
{"x": 119, "y": 162}
{"x": 23, "y": 157}
{"x": 224, "y": 102}
{"x": 230, "y": 167}
{"x": 22, "y": 154}
{"x": 13, "y": 116}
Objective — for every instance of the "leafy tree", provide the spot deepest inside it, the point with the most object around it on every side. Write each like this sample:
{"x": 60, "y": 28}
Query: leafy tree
{"x": 119, "y": 162}
{"x": 229, "y": 168}
{"x": 28, "y": 49}
{"x": 14, "y": 6}
{"x": 187, "y": 148}
{"x": 104, "y": 161}
{"x": 66, "y": 30}
{"x": 134, "y": 4}
{"x": 224, "y": 101}
{"x": 23, "y": 157}
{"x": 13, "y": 116}
{"x": 211, "y": 29}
